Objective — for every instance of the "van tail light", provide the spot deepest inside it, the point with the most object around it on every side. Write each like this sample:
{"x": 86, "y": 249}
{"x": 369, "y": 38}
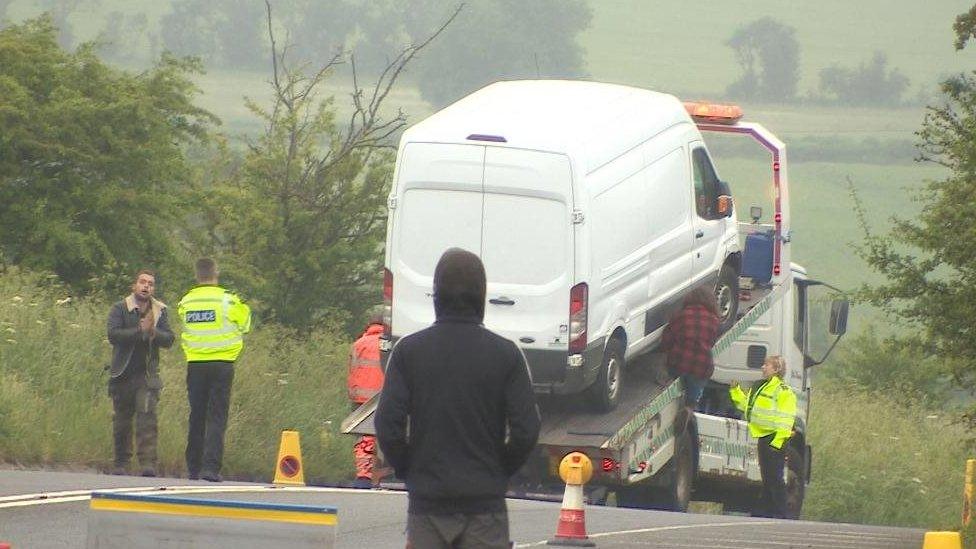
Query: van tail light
{"x": 387, "y": 303}
{"x": 578, "y": 297}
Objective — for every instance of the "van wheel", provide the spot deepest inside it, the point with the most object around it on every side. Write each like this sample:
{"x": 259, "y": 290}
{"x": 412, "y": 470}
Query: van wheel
{"x": 605, "y": 391}
{"x": 727, "y": 295}
{"x": 795, "y": 483}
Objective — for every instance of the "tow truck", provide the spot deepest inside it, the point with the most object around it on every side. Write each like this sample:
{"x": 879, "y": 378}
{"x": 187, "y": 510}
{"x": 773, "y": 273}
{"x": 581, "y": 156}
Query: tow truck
{"x": 650, "y": 452}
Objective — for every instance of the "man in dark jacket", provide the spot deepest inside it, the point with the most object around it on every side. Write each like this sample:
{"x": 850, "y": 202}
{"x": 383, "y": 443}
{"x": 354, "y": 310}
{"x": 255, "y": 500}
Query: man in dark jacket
{"x": 137, "y": 327}
{"x": 460, "y": 387}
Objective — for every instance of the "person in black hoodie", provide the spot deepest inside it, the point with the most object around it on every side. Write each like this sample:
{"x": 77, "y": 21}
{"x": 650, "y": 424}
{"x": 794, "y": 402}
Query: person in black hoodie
{"x": 460, "y": 387}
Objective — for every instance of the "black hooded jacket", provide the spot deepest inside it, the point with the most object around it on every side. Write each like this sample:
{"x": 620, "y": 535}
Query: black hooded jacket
{"x": 461, "y": 387}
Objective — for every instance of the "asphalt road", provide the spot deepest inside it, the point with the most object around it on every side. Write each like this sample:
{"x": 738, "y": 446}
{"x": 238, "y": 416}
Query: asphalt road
{"x": 42, "y": 509}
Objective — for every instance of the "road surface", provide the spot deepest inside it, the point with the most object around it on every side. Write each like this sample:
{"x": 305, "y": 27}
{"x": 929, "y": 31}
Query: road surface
{"x": 43, "y": 509}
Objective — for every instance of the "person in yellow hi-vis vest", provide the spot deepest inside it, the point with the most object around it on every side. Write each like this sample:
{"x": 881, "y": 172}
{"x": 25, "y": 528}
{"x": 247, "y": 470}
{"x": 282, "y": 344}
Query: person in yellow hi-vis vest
{"x": 214, "y": 323}
{"x": 770, "y": 409}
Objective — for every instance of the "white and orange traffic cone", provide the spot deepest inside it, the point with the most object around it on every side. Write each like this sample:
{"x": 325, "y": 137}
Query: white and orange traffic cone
{"x": 575, "y": 470}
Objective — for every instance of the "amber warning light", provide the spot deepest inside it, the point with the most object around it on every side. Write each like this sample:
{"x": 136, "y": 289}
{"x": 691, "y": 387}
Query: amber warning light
{"x": 713, "y": 112}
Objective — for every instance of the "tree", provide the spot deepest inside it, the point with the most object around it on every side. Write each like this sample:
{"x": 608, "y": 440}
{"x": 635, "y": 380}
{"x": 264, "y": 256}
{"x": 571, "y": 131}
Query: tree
{"x": 870, "y": 84}
{"x": 769, "y": 55}
{"x": 930, "y": 262}
{"x": 890, "y": 365}
{"x": 301, "y": 222}
{"x": 225, "y": 33}
{"x": 91, "y": 158}
{"x": 491, "y": 40}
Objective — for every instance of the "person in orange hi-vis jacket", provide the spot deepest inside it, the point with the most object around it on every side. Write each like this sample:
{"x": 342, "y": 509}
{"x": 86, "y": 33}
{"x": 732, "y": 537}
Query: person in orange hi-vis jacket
{"x": 365, "y": 380}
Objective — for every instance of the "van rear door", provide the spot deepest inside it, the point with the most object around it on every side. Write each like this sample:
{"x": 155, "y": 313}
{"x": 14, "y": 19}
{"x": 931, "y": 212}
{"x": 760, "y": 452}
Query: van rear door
{"x": 440, "y": 203}
{"x": 527, "y": 246}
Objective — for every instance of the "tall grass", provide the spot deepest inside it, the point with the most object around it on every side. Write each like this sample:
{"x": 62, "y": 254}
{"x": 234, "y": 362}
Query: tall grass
{"x": 884, "y": 458}
{"x": 878, "y": 458}
{"x": 55, "y": 409}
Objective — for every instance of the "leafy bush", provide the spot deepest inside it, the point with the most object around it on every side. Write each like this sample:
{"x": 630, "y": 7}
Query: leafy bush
{"x": 869, "y": 84}
{"x": 893, "y": 366}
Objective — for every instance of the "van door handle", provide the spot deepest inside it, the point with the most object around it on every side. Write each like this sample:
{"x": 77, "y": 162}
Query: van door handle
{"x": 501, "y": 301}
{"x": 700, "y": 233}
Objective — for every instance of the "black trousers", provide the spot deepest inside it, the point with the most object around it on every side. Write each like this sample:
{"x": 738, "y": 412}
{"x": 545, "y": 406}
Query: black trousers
{"x": 458, "y": 531}
{"x": 132, "y": 398}
{"x": 771, "y": 465}
{"x": 208, "y": 387}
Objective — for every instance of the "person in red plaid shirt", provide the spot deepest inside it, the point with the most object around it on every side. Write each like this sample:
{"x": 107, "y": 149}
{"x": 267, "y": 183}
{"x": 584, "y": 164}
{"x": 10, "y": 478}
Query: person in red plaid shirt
{"x": 688, "y": 340}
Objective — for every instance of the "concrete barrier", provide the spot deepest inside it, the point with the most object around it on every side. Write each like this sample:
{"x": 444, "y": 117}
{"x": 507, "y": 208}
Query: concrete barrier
{"x": 151, "y": 521}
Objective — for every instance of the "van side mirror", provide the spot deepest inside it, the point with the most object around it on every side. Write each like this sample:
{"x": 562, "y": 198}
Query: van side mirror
{"x": 838, "y": 316}
{"x": 724, "y": 201}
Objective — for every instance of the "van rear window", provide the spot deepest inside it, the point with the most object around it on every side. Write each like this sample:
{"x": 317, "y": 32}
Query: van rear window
{"x": 433, "y": 220}
{"x": 526, "y": 239}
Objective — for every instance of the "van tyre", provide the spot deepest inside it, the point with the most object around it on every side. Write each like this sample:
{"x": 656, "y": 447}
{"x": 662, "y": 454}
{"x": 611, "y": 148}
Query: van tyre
{"x": 727, "y": 296}
{"x": 605, "y": 391}
{"x": 794, "y": 471}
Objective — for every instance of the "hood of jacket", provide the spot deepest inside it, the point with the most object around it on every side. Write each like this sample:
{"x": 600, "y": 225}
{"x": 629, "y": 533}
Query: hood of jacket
{"x": 459, "y": 285}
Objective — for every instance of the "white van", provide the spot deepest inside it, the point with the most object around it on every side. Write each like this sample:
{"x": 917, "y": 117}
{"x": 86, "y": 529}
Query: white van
{"x": 594, "y": 208}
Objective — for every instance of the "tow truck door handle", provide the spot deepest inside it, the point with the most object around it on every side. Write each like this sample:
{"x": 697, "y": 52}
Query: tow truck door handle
{"x": 699, "y": 233}
{"x": 501, "y": 301}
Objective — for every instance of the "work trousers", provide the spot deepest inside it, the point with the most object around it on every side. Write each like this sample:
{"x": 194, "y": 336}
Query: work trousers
{"x": 132, "y": 398}
{"x": 458, "y": 531}
{"x": 364, "y": 456}
{"x": 208, "y": 387}
{"x": 771, "y": 465}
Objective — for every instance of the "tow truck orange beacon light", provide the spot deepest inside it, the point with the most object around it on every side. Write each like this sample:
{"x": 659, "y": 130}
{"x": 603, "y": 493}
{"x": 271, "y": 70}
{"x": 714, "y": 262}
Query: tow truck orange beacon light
{"x": 702, "y": 111}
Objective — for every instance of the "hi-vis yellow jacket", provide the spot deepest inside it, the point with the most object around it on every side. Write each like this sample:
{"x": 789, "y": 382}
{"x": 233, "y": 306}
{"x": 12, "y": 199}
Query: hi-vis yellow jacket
{"x": 214, "y": 324}
{"x": 769, "y": 407}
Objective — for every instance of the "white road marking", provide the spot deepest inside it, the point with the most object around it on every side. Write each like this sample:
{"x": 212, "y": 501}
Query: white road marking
{"x": 662, "y": 529}
{"x": 45, "y": 498}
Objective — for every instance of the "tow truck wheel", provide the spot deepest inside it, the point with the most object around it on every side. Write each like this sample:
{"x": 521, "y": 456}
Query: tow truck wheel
{"x": 727, "y": 295}
{"x": 676, "y": 494}
{"x": 683, "y": 474}
{"x": 795, "y": 483}
{"x": 605, "y": 392}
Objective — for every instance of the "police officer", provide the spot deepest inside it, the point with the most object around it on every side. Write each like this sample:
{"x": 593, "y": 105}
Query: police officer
{"x": 770, "y": 409}
{"x": 214, "y": 323}
{"x": 365, "y": 380}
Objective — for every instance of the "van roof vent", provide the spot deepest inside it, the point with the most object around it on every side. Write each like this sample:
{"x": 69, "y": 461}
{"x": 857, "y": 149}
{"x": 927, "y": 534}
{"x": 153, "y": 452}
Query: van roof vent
{"x": 483, "y": 137}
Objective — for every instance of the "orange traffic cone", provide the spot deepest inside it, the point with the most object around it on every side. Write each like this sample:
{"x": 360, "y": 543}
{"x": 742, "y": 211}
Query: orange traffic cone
{"x": 575, "y": 469}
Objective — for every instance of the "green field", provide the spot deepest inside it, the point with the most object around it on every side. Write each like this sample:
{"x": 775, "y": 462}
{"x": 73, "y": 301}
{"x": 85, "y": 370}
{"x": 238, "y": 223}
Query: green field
{"x": 679, "y": 46}
{"x": 823, "y": 221}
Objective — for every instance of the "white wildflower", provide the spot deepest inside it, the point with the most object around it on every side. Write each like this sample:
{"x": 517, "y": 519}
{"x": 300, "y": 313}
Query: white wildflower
{"x": 11, "y": 341}
{"x": 916, "y": 480}
{"x": 282, "y": 382}
{"x": 41, "y": 322}
{"x": 10, "y": 329}
{"x": 16, "y": 299}
{"x": 73, "y": 325}
{"x": 64, "y": 301}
